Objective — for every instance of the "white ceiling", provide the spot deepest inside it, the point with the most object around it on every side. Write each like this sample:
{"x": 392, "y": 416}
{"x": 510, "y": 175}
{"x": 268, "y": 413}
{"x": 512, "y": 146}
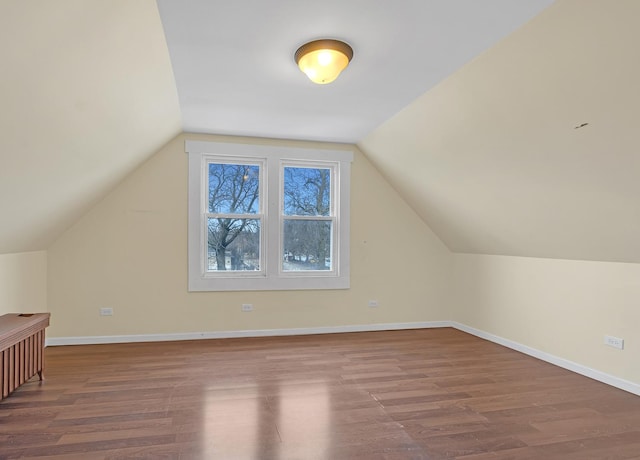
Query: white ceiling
{"x": 467, "y": 107}
{"x": 235, "y": 73}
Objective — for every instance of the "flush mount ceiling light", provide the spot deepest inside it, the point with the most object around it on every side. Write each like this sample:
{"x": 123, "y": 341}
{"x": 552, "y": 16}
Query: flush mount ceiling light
{"x": 323, "y": 60}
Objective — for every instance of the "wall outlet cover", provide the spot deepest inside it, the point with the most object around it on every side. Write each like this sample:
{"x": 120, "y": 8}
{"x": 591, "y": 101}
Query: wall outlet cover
{"x": 614, "y": 342}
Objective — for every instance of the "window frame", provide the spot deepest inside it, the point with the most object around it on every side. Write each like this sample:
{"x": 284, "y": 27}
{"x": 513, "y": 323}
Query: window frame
{"x": 233, "y": 160}
{"x": 333, "y": 216}
{"x": 275, "y": 158}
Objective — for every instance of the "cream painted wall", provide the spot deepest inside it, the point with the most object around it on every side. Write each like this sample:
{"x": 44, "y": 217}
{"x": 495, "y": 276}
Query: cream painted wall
{"x": 130, "y": 253}
{"x": 561, "y": 307}
{"x": 23, "y": 282}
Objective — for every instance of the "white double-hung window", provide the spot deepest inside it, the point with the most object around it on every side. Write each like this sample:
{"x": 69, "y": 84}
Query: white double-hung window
{"x": 267, "y": 218}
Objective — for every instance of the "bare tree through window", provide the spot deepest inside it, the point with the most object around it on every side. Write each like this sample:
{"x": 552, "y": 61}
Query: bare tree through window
{"x": 233, "y": 222}
{"x": 307, "y": 222}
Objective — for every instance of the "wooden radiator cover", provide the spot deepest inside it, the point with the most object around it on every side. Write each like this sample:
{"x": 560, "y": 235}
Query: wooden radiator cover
{"x": 21, "y": 349}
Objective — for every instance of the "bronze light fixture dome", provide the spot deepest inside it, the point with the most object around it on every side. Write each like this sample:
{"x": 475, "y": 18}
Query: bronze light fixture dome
{"x": 323, "y": 60}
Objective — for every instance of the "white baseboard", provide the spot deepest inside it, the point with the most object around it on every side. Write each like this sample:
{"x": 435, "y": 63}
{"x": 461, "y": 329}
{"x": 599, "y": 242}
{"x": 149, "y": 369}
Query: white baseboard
{"x": 622, "y": 384}
{"x": 560, "y": 362}
{"x": 93, "y": 340}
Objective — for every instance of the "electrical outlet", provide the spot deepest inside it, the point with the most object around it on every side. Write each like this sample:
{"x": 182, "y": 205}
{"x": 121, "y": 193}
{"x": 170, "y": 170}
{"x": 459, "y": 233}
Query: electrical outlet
{"x": 614, "y": 342}
{"x": 247, "y": 307}
{"x": 106, "y": 311}
{"x": 373, "y": 303}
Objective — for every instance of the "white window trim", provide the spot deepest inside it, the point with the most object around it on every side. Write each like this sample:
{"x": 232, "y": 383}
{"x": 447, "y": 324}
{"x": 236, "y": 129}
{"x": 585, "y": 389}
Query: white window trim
{"x": 271, "y": 277}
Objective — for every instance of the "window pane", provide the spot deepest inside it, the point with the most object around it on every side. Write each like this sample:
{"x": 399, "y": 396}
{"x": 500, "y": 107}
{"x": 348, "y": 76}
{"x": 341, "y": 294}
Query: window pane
{"x": 307, "y": 191}
{"x": 307, "y": 245}
{"x": 233, "y": 244}
{"x": 234, "y": 188}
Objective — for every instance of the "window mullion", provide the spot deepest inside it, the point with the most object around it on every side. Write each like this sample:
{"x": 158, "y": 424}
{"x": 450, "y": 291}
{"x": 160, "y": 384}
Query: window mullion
{"x": 272, "y": 211}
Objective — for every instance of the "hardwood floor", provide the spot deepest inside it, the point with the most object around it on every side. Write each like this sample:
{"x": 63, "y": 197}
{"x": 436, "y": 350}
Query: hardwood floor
{"x": 418, "y": 394}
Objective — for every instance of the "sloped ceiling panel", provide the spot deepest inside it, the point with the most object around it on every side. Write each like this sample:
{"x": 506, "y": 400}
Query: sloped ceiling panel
{"x": 87, "y": 94}
{"x": 532, "y": 148}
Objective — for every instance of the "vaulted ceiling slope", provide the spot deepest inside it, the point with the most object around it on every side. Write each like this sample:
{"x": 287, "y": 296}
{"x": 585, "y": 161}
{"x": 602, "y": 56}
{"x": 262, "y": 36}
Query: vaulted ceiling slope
{"x": 523, "y": 145}
{"x": 532, "y": 148}
{"x": 88, "y": 89}
{"x": 87, "y": 94}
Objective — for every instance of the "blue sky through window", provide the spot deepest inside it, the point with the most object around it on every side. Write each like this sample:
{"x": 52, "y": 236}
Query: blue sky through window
{"x": 307, "y": 191}
{"x": 234, "y": 188}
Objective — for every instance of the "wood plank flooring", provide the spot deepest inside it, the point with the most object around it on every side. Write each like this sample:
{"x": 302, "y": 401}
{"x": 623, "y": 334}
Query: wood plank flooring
{"x": 417, "y": 394}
